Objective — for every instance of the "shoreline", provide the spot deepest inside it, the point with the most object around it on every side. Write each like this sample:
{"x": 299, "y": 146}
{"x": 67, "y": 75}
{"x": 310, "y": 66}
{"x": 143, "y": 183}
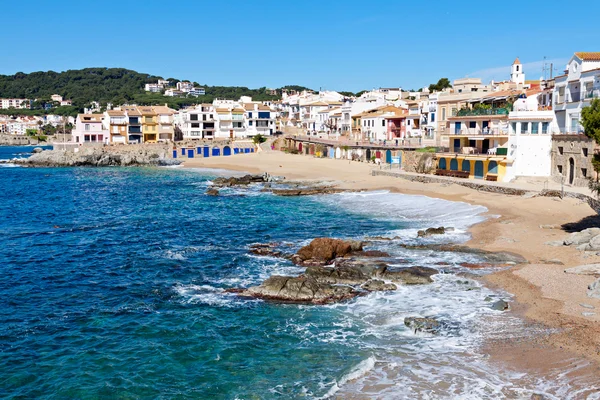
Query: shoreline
{"x": 543, "y": 293}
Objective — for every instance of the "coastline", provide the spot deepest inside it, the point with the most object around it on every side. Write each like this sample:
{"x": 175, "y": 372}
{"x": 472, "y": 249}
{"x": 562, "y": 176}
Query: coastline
{"x": 543, "y": 293}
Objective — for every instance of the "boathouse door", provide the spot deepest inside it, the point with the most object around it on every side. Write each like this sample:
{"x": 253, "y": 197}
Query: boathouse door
{"x": 300, "y": 148}
{"x": 571, "y": 171}
{"x": 368, "y": 154}
{"x": 226, "y": 151}
{"x": 479, "y": 169}
{"x": 206, "y": 151}
{"x": 388, "y": 156}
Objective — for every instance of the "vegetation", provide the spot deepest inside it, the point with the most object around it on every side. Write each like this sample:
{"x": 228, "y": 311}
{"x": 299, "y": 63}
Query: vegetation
{"x": 258, "y": 139}
{"x": 426, "y": 150}
{"x": 590, "y": 120}
{"x": 442, "y": 84}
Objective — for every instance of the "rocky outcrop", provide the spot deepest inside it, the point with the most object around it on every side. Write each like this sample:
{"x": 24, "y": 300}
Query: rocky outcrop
{"x": 589, "y": 269}
{"x": 376, "y": 285}
{"x": 428, "y": 325}
{"x": 301, "y": 289}
{"x": 594, "y": 289}
{"x": 322, "y": 251}
{"x": 212, "y": 192}
{"x": 238, "y": 181}
{"x": 487, "y": 257}
{"x": 372, "y": 253}
{"x": 307, "y": 191}
{"x": 408, "y": 276}
{"x": 500, "y": 305}
{"x": 109, "y": 156}
{"x": 433, "y": 231}
{"x": 37, "y": 150}
{"x": 265, "y": 249}
{"x": 426, "y": 164}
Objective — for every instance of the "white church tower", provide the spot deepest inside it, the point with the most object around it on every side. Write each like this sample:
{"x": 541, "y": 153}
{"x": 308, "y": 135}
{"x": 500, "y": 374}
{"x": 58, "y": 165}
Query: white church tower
{"x": 516, "y": 75}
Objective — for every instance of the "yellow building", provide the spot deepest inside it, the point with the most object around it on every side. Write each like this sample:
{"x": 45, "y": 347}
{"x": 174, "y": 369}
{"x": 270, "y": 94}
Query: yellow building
{"x": 149, "y": 124}
{"x": 164, "y": 117}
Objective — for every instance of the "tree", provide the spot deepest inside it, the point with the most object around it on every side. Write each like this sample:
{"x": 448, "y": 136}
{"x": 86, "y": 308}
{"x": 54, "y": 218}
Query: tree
{"x": 258, "y": 139}
{"x": 590, "y": 120}
{"x": 442, "y": 84}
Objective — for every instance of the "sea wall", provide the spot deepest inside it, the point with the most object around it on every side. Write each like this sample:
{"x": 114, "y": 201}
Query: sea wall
{"x": 17, "y": 140}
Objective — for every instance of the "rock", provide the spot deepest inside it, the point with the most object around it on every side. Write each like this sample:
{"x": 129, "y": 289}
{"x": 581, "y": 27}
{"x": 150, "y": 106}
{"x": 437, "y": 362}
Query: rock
{"x": 426, "y": 164}
{"x": 500, "y": 305}
{"x": 589, "y": 269}
{"x": 431, "y": 231}
{"x": 553, "y": 261}
{"x": 300, "y": 289}
{"x": 583, "y": 247}
{"x": 577, "y": 238}
{"x": 594, "y": 289}
{"x": 344, "y": 274}
{"x": 555, "y": 243}
{"x": 588, "y": 314}
{"x": 212, "y": 192}
{"x": 491, "y": 257}
{"x": 239, "y": 181}
{"x": 594, "y": 243}
{"x": 372, "y": 253}
{"x": 429, "y": 325}
{"x": 408, "y": 276}
{"x": 375, "y": 285}
{"x": 537, "y": 396}
{"x": 307, "y": 191}
{"x": 589, "y": 306}
{"x": 322, "y": 251}
{"x": 37, "y": 150}
{"x": 265, "y": 249}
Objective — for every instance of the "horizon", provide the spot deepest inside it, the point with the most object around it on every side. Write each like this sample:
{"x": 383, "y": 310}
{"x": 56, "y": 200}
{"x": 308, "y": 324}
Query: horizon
{"x": 326, "y": 47}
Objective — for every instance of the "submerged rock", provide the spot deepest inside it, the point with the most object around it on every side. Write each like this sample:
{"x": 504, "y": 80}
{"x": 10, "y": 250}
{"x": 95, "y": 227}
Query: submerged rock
{"x": 500, "y": 305}
{"x": 428, "y": 325}
{"x": 408, "y": 276}
{"x": 307, "y": 191}
{"x": 376, "y": 285}
{"x": 300, "y": 289}
{"x": 433, "y": 231}
{"x": 212, "y": 192}
{"x": 372, "y": 253}
{"x": 265, "y": 249}
{"x": 490, "y": 257}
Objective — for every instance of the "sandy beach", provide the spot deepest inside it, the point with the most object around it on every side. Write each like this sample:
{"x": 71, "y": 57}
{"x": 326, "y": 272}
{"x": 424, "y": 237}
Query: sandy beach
{"x": 543, "y": 293}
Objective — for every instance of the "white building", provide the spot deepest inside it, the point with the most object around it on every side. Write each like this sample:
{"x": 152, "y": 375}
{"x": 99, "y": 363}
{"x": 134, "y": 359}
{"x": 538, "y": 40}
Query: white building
{"x": 575, "y": 90}
{"x": 531, "y": 126}
{"x": 260, "y": 119}
{"x": 198, "y": 122}
{"x": 15, "y": 103}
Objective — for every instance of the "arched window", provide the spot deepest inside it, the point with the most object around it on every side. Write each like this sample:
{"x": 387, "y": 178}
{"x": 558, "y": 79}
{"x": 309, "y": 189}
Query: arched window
{"x": 442, "y": 163}
{"x": 466, "y": 165}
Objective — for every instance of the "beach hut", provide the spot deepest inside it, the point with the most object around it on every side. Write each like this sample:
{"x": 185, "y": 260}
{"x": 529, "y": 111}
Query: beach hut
{"x": 466, "y": 166}
{"x": 206, "y": 151}
{"x": 190, "y": 153}
{"x": 183, "y": 151}
{"x": 442, "y": 163}
{"x": 226, "y": 151}
{"x": 174, "y": 153}
{"x": 300, "y": 147}
{"x": 216, "y": 151}
{"x": 331, "y": 152}
{"x": 338, "y": 153}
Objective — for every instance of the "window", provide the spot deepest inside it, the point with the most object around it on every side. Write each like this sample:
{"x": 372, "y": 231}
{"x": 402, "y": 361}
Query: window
{"x": 443, "y": 114}
{"x": 383, "y": 122}
{"x": 524, "y": 127}
{"x": 513, "y": 127}
{"x": 86, "y": 138}
{"x": 560, "y": 151}
{"x": 196, "y": 125}
{"x": 559, "y": 167}
{"x": 249, "y": 123}
{"x": 534, "y": 128}
{"x": 432, "y": 117}
{"x": 517, "y": 68}
{"x": 584, "y": 151}
{"x": 545, "y": 127}
{"x": 87, "y": 127}
{"x": 249, "y": 115}
{"x": 193, "y": 117}
{"x": 584, "y": 172}
{"x": 453, "y": 111}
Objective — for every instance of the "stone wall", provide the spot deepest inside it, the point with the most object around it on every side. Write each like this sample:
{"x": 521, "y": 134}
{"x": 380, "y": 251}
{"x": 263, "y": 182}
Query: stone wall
{"x": 576, "y": 148}
{"x": 17, "y": 140}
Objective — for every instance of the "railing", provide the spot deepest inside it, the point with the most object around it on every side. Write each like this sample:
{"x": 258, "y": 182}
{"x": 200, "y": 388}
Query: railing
{"x": 344, "y": 141}
{"x": 591, "y": 94}
{"x": 482, "y": 111}
{"x": 575, "y": 97}
{"x": 484, "y": 132}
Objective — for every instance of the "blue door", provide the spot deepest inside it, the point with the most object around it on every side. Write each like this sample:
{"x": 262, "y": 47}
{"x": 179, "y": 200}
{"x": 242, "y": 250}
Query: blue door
{"x": 493, "y": 167}
{"x": 442, "y": 163}
{"x": 206, "y": 151}
{"x": 400, "y": 157}
{"x": 388, "y": 156}
{"x": 246, "y": 150}
{"x": 216, "y": 151}
{"x": 226, "y": 151}
{"x": 466, "y": 165}
{"x": 183, "y": 152}
{"x": 190, "y": 153}
{"x": 236, "y": 150}
{"x": 174, "y": 153}
{"x": 457, "y": 128}
{"x": 454, "y": 164}
{"x": 331, "y": 152}
{"x": 479, "y": 169}
{"x": 199, "y": 150}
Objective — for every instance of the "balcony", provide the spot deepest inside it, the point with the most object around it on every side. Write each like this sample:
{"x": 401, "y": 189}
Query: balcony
{"x": 478, "y": 132}
{"x": 588, "y": 95}
{"x": 134, "y": 121}
{"x": 467, "y": 112}
{"x": 135, "y": 129}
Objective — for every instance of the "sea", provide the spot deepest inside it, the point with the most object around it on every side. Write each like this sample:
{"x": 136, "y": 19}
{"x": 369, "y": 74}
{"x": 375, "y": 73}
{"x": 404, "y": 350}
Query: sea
{"x": 112, "y": 285}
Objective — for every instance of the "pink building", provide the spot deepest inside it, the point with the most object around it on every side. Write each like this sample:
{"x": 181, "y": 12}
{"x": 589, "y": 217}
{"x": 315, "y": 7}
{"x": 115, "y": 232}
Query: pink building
{"x": 89, "y": 129}
{"x": 396, "y": 126}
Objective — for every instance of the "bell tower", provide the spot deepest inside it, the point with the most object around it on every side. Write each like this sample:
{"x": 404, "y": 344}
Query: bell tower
{"x": 516, "y": 75}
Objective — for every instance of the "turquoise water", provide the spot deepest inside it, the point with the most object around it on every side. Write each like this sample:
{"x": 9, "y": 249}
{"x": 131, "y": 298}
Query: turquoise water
{"x": 112, "y": 287}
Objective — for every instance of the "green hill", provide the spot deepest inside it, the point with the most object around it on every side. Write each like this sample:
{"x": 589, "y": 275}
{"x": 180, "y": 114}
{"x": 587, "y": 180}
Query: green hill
{"x": 114, "y": 85}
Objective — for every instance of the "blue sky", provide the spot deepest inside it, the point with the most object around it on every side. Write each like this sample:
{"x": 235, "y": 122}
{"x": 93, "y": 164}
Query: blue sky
{"x": 336, "y": 45}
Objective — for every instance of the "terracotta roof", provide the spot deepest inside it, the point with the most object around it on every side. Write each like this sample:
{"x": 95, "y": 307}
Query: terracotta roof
{"x": 516, "y": 61}
{"x": 222, "y": 110}
{"x": 317, "y": 103}
{"x": 588, "y": 55}
{"x": 116, "y": 113}
{"x": 163, "y": 110}
{"x": 133, "y": 111}
{"x": 90, "y": 117}
{"x": 146, "y": 110}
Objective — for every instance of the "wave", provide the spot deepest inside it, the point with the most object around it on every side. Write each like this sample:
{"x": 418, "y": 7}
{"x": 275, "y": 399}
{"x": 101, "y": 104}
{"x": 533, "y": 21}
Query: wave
{"x": 358, "y": 371}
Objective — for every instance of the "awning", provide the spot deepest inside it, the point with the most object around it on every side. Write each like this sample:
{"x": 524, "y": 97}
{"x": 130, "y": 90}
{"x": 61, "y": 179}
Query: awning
{"x": 477, "y": 138}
